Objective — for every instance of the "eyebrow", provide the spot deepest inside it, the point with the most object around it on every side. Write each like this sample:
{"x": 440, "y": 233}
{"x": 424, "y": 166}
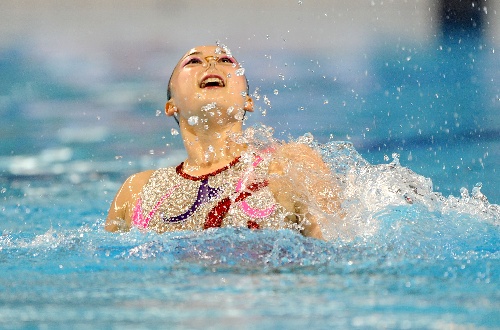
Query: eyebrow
{"x": 193, "y": 53}
{"x": 198, "y": 52}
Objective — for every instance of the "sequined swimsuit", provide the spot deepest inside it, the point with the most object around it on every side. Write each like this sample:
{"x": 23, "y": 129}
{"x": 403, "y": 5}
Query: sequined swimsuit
{"x": 235, "y": 195}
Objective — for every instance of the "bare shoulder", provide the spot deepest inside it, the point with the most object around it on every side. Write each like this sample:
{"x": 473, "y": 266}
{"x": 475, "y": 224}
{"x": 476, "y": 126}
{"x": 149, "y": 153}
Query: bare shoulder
{"x": 134, "y": 183}
{"x": 141, "y": 178}
{"x": 298, "y": 154}
{"x": 121, "y": 209}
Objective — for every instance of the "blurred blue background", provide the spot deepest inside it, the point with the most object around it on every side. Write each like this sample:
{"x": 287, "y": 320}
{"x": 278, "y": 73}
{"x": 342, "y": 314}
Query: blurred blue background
{"x": 82, "y": 82}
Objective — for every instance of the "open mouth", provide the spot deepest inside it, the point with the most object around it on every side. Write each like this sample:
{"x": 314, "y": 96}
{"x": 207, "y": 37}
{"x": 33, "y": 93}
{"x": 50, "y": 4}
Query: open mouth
{"x": 212, "y": 81}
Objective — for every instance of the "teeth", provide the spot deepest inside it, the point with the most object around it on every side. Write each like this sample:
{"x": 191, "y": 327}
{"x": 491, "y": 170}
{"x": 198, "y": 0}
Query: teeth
{"x": 212, "y": 80}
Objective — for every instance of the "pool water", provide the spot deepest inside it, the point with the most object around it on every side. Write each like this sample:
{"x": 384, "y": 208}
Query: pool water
{"x": 400, "y": 142}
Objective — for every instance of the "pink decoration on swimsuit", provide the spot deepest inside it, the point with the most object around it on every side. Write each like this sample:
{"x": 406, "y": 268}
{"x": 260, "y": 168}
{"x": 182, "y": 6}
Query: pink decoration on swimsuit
{"x": 247, "y": 174}
{"x": 256, "y": 213}
{"x": 138, "y": 218}
{"x": 247, "y": 209}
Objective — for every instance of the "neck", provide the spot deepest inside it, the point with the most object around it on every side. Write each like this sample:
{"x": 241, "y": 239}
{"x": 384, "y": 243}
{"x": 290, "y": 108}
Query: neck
{"x": 212, "y": 148}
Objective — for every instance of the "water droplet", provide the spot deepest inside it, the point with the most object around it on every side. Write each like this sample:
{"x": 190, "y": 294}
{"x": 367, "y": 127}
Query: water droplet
{"x": 256, "y": 94}
{"x": 151, "y": 152}
{"x": 325, "y": 101}
{"x": 240, "y": 72}
{"x": 158, "y": 113}
{"x": 209, "y": 106}
{"x": 239, "y": 115}
{"x": 230, "y": 110}
{"x": 464, "y": 193}
{"x": 386, "y": 158}
{"x": 395, "y": 159}
{"x": 193, "y": 120}
{"x": 477, "y": 194}
{"x": 174, "y": 132}
{"x": 266, "y": 101}
{"x": 276, "y": 92}
{"x": 300, "y": 2}
{"x": 301, "y": 108}
{"x": 306, "y": 138}
{"x": 227, "y": 50}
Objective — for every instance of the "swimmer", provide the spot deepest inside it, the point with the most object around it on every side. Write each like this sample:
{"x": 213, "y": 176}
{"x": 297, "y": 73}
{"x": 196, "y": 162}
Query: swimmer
{"x": 224, "y": 181}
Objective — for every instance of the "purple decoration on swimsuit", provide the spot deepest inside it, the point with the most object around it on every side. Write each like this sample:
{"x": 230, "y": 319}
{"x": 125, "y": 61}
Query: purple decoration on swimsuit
{"x": 205, "y": 193}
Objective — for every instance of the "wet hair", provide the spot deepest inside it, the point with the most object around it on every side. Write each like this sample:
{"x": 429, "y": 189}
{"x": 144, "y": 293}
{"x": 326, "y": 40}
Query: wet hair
{"x": 169, "y": 93}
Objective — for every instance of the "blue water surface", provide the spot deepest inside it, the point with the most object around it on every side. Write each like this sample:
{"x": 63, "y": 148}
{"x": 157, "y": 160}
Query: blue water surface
{"x": 419, "y": 123}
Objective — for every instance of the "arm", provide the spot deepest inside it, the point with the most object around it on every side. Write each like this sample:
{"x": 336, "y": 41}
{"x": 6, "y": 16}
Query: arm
{"x": 121, "y": 210}
{"x": 305, "y": 186}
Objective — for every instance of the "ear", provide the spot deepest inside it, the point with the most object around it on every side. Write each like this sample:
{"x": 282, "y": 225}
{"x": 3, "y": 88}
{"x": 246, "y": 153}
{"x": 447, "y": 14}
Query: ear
{"x": 170, "y": 108}
{"x": 248, "y": 104}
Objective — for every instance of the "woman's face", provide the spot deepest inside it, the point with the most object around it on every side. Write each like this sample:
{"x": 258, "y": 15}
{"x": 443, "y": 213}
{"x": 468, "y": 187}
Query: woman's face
{"x": 207, "y": 82}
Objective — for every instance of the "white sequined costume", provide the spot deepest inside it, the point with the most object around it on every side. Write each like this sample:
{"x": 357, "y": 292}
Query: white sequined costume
{"x": 236, "y": 195}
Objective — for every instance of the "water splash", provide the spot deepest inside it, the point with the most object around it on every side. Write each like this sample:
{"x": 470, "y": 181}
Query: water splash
{"x": 193, "y": 120}
{"x": 372, "y": 195}
{"x": 386, "y": 205}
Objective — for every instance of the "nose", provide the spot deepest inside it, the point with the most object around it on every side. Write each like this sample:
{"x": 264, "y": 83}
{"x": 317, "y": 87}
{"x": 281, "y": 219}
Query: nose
{"x": 210, "y": 61}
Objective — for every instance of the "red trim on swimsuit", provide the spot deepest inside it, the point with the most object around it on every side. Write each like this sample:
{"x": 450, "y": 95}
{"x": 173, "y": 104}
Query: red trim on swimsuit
{"x": 219, "y": 211}
{"x": 179, "y": 170}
